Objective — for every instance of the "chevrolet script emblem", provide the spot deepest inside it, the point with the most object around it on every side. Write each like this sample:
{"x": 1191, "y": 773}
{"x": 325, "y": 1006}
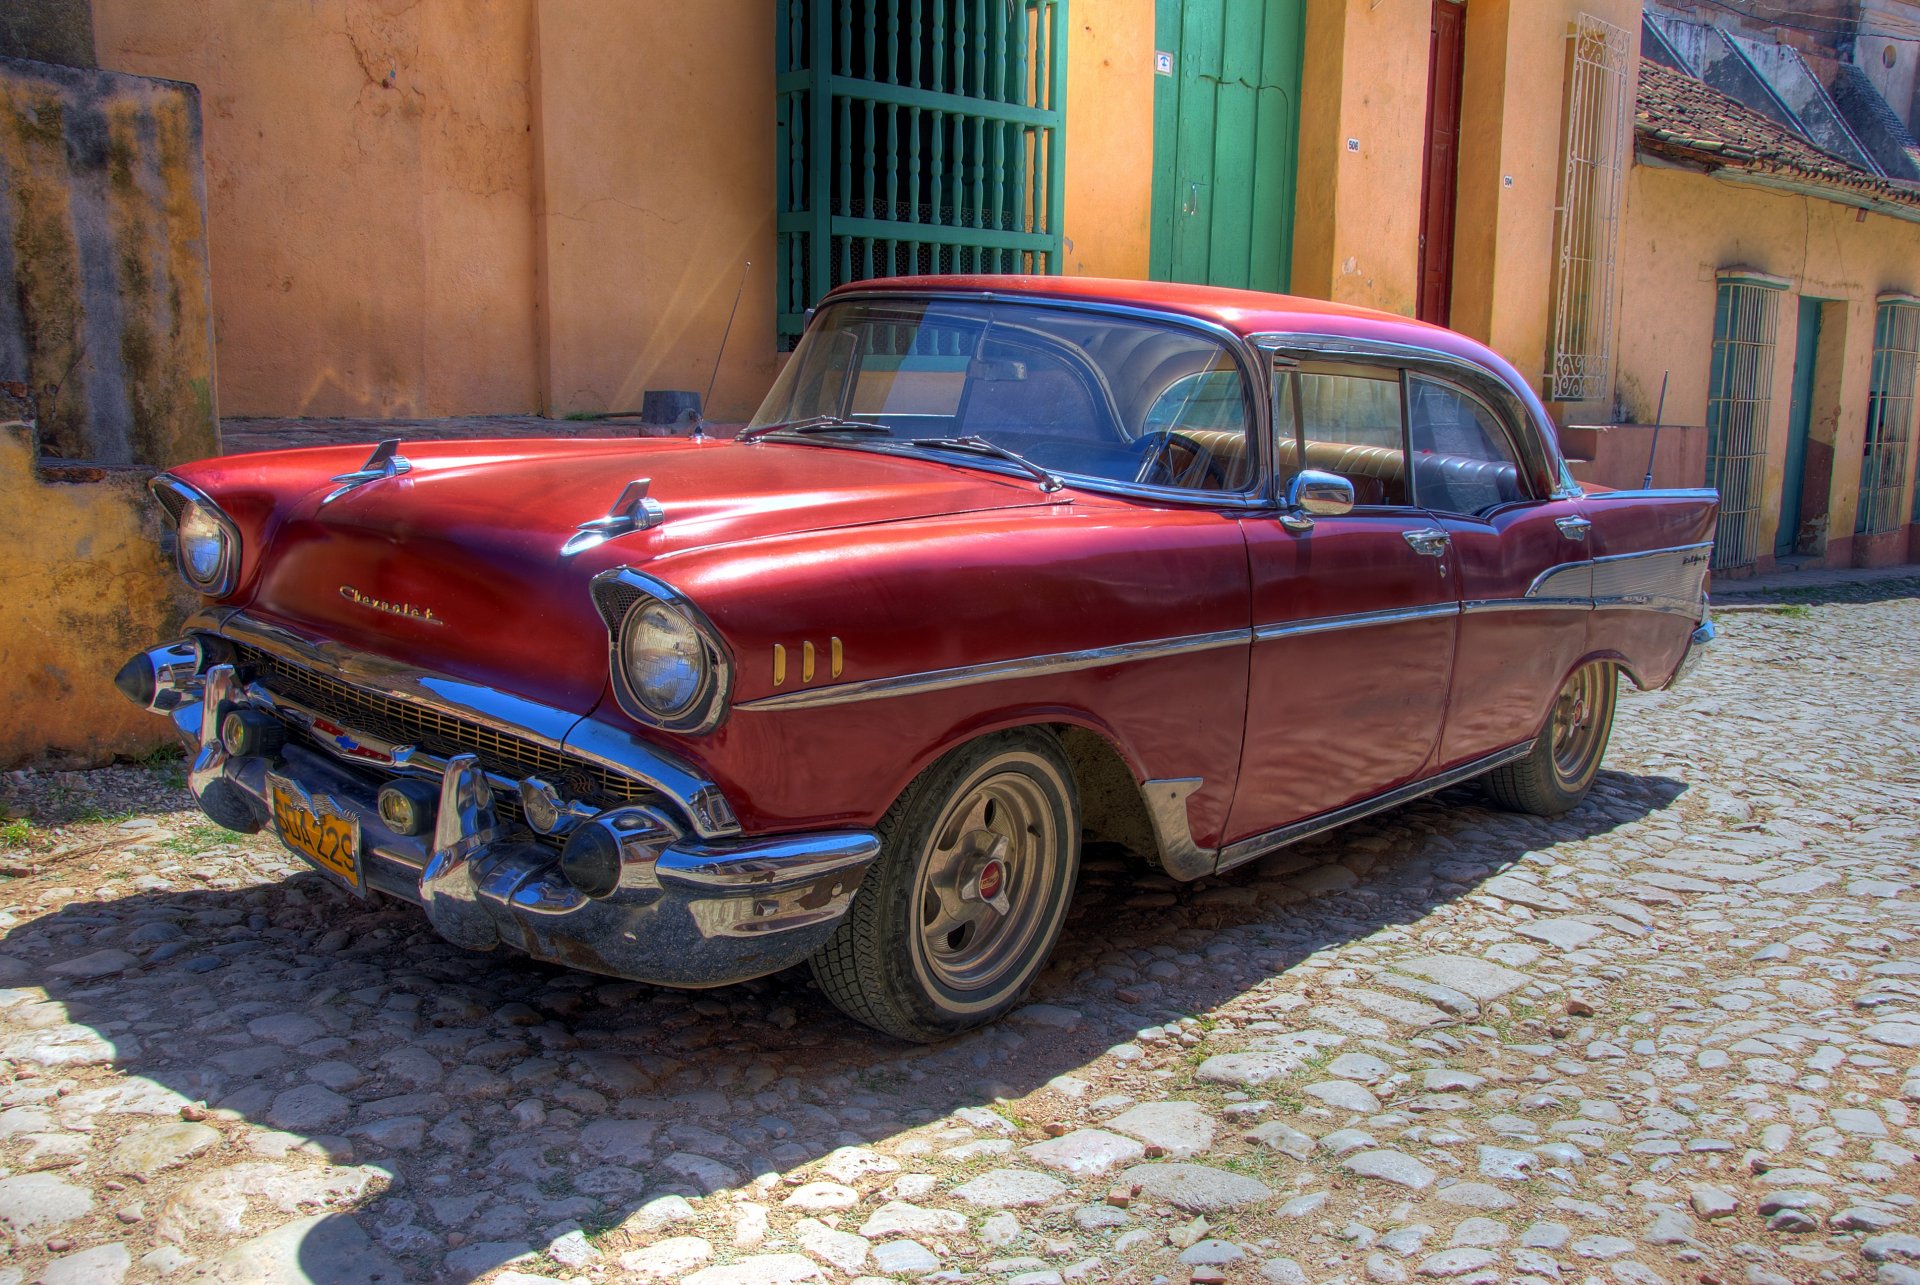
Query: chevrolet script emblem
{"x": 406, "y": 609}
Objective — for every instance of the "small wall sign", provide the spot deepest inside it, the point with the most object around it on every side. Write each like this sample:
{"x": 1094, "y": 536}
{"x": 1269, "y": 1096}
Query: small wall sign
{"x": 1162, "y": 63}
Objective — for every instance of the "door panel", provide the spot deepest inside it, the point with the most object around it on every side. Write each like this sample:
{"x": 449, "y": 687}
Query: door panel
{"x": 1226, "y": 126}
{"x": 1514, "y": 650}
{"x": 1341, "y": 706}
{"x": 1799, "y": 427}
{"x": 1440, "y": 180}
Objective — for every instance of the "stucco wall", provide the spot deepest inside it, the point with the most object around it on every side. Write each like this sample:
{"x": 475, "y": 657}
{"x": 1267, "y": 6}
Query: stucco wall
{"x": 86, "y": 586}
{"x": 369, "y": 172}
{"x": 1110, "y": 84}
{"x": 106, "y": 336}
{"x": 1681, "y": 229}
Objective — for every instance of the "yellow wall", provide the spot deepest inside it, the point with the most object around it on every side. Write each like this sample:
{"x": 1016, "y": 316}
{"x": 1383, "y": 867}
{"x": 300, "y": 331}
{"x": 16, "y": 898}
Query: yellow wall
{"x": 1110, "y": 82}
{"x": 1680, "y": 229}
{"x": 87, "y": 586}
{"x": 493, "y": 206}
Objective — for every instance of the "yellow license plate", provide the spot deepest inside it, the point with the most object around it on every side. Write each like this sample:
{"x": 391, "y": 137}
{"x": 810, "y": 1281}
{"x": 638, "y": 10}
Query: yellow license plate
{"x": 318, "y": 830}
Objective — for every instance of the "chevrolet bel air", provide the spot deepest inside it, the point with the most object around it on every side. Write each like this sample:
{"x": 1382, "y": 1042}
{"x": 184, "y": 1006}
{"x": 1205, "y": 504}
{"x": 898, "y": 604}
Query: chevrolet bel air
{"x": 1002, "y": 565}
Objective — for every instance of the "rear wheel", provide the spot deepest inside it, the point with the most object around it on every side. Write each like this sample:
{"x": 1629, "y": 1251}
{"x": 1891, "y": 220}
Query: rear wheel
{"x": 977, "y": 866}
{"x": 1557, "y": 775}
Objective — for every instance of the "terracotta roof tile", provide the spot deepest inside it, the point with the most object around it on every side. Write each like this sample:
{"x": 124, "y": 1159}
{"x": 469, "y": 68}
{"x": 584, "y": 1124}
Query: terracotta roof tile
{"x": 1686, "y": 120}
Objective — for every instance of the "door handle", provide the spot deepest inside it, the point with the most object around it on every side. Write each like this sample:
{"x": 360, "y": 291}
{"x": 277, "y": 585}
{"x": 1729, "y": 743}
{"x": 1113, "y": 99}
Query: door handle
{"x": 1428, "y": 542}
{"x": 1573, "y": 528}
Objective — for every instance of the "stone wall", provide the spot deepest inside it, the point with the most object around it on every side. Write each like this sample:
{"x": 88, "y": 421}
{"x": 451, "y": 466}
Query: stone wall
{"x": 106, "y": 323}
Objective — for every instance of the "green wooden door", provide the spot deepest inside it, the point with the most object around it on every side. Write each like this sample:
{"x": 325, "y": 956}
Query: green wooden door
{"x": 1799, "y": 428}
{"x": 1226, "y": 127}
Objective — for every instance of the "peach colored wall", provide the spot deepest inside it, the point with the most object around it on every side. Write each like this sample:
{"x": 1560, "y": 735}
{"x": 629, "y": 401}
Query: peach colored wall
{"x": 369, "y": 170}
{"x": 1680, "y": 229}
{"x": 1357, "y": 223}
{"x": 1109, "y": 179}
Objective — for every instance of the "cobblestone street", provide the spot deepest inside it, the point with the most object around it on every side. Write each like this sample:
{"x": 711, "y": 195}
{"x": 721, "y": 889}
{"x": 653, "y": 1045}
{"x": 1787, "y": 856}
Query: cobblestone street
{"x": 1671, "y": 1037}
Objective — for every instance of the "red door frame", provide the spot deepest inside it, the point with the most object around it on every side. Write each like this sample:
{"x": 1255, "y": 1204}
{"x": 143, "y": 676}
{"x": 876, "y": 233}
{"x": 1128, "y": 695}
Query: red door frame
{"x": 1440, "y": 177}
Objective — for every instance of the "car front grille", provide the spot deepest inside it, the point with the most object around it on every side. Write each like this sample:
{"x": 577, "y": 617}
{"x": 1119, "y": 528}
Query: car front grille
{"x": 406, "y": 723}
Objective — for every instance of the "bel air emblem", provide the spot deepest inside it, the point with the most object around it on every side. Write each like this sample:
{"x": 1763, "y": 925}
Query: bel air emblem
{"x": 404, "y": 609}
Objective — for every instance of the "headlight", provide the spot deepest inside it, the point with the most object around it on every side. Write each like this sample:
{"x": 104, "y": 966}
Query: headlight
{"x": 208, "y": 551}
{"x": 670, "y": 669}
{"x": 666, "y": 661}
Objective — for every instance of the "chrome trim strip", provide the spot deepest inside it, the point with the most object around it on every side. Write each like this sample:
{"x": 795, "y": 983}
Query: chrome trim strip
{"x": 556, "y": 729}
{"x": 1658, "y": 493}
{"x": 1259, "y": 845}
{"x": 1359, "y": 620}
{"x": 939, "y": 680}
{"x": 1482, "y": 605}
{"x": 1588, "y": 564}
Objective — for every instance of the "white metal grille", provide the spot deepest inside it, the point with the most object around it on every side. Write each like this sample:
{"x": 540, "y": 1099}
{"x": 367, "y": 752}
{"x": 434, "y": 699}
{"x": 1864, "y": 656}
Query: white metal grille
{"x": 1739, "y": 406}
{"x": 1589, "y": 213}
{"x": 1883, "y": 460}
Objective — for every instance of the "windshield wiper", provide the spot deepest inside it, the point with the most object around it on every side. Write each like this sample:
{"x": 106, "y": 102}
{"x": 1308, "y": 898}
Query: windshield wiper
{"x": 981, "y": 446}
{"x": 816, "y": 424}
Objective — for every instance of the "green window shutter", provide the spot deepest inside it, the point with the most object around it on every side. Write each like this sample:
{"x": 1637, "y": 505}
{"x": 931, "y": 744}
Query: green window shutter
{"x": 916, "y": 137}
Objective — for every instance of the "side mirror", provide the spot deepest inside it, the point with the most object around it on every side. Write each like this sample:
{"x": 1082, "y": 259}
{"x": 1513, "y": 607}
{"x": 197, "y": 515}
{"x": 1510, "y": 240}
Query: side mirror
{"x": 1320, "y": 495}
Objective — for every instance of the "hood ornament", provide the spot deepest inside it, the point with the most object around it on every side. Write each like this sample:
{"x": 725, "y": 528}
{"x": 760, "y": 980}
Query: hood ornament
{"x": 633, "y": 511}
{"x": 386, "y": 461}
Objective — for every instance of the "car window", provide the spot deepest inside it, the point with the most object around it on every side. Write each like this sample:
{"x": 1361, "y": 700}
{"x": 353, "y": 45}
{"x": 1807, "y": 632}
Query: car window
{"x": 1350, "y": 426}
{"x": 1463, "y": 460}
{"x": 1079, "y": 391}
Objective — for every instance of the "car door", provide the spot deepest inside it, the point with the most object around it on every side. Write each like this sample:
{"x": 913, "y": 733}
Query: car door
{"x": 1521, "y": 559}
{"x": 1353, "y": 616}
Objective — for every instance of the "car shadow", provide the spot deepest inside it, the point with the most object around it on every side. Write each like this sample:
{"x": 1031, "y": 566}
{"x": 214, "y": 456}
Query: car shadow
{"x": 509, "y": 1099}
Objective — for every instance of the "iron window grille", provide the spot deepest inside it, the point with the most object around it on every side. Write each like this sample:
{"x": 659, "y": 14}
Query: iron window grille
{"x": 1588, "y": 226}
{"x": 1740, "y": 409}
{"x": 915, "y": 137}
{"x": 1887, "y": 449}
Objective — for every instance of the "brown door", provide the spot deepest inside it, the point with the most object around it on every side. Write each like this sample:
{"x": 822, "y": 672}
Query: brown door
{"x": 1441, "y": 179}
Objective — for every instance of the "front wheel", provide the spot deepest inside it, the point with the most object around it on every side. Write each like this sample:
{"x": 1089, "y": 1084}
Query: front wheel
{"x": 977, "y": 865}
{"x": 1558, "y": 774}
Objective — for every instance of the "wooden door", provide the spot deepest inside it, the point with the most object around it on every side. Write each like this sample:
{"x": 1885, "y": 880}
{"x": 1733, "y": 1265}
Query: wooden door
{"x": 1226, "y": 116}
{"x": 1799, "y": 428}
{"x": 1440, "y": 180}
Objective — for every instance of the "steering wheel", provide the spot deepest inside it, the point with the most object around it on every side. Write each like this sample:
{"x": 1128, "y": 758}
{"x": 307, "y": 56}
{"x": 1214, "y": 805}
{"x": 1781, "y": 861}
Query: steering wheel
{"x": 1201, "y": 471}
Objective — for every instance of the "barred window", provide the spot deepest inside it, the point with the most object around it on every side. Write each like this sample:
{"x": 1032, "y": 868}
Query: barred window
{"x": 915, "y": 137}
{"x": 1886, "y": 452}
{"x": 1739, "y": 410}
{"x": 1588, "y": 232}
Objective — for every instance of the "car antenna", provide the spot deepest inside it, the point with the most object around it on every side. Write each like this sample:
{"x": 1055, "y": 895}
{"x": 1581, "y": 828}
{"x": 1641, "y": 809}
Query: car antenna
{"x": 700, "y": 425}
{"x": 1659, "y": 416}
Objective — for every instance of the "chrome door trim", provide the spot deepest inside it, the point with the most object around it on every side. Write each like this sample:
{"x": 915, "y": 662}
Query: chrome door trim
{"x": 1259, "y": 845}
{"x": 1480, "y": 606}
{"x": 1541, "y": 581}
{"x": 1658, "y": 493}
{"x": 939, "y": 680}
{"x": 1359, "y": 620}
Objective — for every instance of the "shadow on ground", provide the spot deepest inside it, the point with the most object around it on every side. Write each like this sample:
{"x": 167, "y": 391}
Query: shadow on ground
{"x": 509, "y": 1097}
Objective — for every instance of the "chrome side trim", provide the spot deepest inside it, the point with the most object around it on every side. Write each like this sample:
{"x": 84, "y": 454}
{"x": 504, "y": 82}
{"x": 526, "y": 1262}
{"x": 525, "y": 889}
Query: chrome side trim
{"x": 556, "y": 729}
{"x": 1260, "y": 845}
{"x": 1482, "y": 605}
{"x": 939, "y": 680}
{"x": 1619, "y": 575}
{"x": 1359, "y": 620}
{"x": 1658, "y": 493}
{"x": 1166, "y": 801}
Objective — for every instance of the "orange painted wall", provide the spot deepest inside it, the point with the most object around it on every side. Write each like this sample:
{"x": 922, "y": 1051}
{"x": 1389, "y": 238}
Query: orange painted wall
{"x": 1109, "y": 198}
{"x": 369, "y": 172}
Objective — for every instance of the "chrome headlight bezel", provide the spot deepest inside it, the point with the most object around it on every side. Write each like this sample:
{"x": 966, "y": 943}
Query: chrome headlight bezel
{"x": 623, "y": 596}
{"x": 180, "y": 500}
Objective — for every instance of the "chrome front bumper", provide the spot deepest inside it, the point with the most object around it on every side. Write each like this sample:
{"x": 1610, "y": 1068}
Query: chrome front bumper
{"x": 688, "y": 910}
{"x": 1696, "y": 652}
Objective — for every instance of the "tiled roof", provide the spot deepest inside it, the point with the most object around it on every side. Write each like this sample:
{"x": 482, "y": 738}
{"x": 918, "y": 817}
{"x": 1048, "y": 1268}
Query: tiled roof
{"x": 1683, "y": 119}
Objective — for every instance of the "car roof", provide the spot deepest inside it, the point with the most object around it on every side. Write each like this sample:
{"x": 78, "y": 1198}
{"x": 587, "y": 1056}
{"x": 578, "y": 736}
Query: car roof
{"x": 1244, "y": 312}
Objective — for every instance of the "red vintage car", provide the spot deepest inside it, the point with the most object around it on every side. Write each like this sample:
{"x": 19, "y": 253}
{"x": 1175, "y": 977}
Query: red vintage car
{"x": 1001, "y": 565}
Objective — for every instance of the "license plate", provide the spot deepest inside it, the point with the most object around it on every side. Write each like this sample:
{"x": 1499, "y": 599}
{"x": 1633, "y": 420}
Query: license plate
{"x": 318, "y": 830}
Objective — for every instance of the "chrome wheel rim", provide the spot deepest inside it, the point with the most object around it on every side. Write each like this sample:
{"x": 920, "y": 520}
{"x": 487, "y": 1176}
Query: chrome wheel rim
{"x": 1579, "y": 725}
{"x": 988, "y": 877}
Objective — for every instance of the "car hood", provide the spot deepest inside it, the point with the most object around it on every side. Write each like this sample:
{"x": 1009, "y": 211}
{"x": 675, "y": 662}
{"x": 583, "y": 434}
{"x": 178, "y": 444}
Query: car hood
{"x": 456, "y": 565}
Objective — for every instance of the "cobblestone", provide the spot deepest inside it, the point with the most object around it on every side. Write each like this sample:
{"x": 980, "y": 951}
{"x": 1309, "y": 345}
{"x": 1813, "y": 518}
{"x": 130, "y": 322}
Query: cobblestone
{"x": 1673, "y": 1036}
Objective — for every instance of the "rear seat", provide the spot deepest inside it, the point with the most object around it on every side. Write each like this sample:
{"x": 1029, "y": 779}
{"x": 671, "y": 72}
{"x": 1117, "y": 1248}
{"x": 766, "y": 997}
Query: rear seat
{"x": 1451, "y": 482}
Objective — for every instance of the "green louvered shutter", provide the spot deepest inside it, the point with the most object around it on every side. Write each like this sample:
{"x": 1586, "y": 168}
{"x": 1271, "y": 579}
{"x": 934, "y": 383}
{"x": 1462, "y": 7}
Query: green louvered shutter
{"x": 916, "y": 136}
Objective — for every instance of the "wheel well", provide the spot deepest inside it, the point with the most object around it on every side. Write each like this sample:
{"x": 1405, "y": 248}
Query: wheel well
{"x": 1111, "y": 809}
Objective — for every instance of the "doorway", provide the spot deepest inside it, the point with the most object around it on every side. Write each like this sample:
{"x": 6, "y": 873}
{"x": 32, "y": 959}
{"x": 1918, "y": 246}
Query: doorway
{"x": 1440, "y": 177}
{"x": 1226, "y": 128}
{"x": 1793, "y": 476}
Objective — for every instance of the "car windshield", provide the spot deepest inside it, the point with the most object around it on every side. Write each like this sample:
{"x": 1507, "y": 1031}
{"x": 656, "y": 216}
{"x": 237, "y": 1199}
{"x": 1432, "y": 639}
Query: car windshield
{"x": 1072, "y": 391}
